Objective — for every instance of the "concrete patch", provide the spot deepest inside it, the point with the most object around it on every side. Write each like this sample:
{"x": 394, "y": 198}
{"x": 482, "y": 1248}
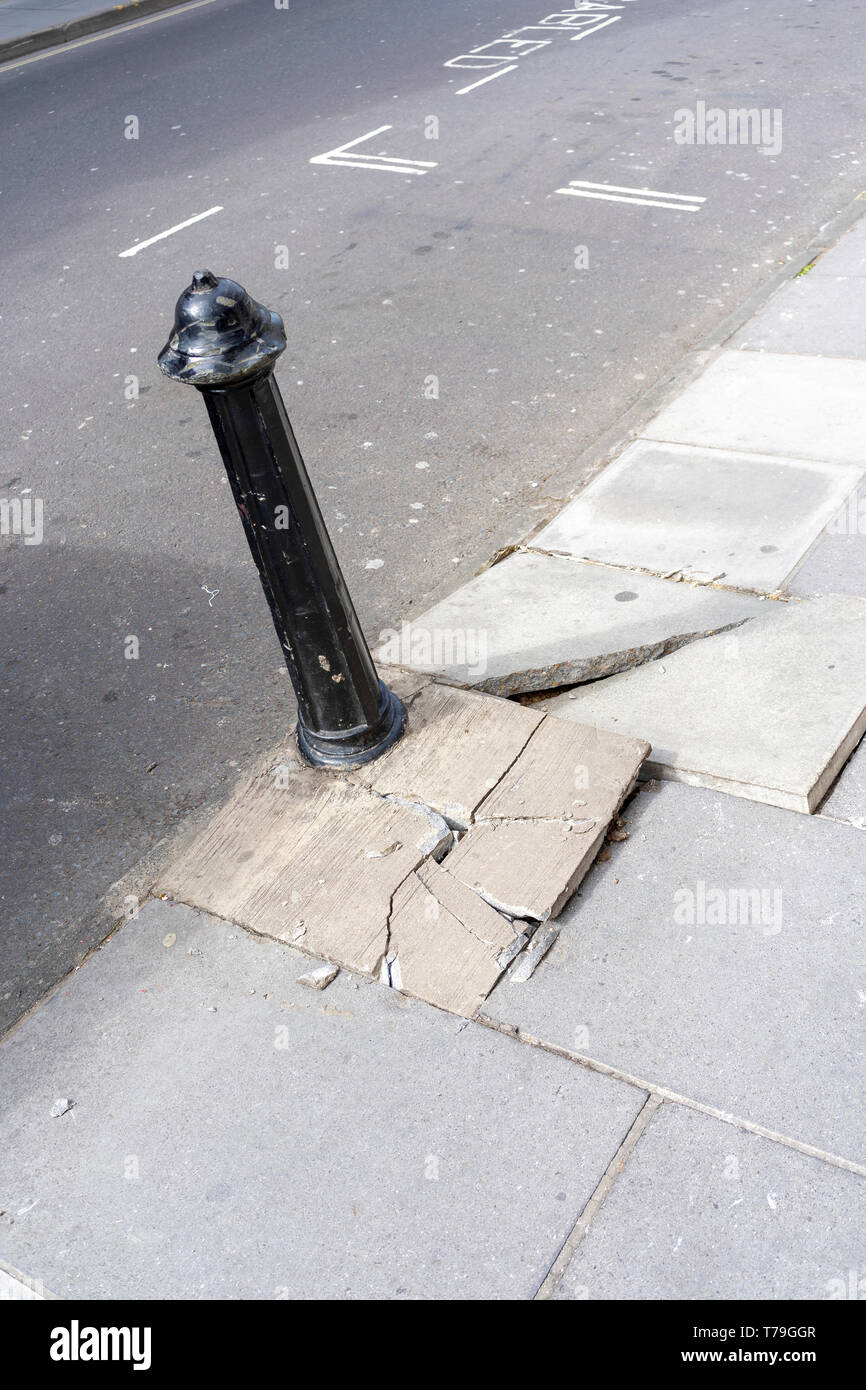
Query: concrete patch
{"x": 705, "y": 1211}
{"x": 772, "y": 403}
{"x": 309, "y": 860}
{"x": 719, "y": 953}
{"x": 769, "y": 712}
{"x": 349, "y": 872}
{"x": 459, "y": 745}
{"x": 540, "y": 621}
{"x": 286, "y": 1145}
{"x": 824, "y": 317}
{"x": 445, "y": 943}
{"x": 526, "y": 868}
{"x": 573, "y": 772}
{"x": 703, "y": 514}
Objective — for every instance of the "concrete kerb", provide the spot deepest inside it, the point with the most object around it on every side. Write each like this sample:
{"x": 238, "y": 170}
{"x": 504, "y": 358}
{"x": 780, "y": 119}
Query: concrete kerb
{"x": 57, "y": 34}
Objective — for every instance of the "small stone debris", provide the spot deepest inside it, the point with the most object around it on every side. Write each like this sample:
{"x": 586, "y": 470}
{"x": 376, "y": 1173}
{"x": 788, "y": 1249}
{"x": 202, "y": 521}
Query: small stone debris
{"x": 193, "y": 951}
{"x": 319, "y": 978}
{"x": 170, "y": 939}
{"x": 60, "y": 1107}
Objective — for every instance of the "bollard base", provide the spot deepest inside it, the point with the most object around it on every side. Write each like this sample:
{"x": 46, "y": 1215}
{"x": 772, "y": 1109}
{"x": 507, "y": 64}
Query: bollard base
{"x": 354, "y": 747}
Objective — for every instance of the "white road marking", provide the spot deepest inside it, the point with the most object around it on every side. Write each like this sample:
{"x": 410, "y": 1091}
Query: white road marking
{"x": 645, "y": 197}
{"x": 489, "y": 78}
{"x": 106, "y": 34}
{"x": 388, "y": 163}
{"x": 585, "y": 33}
{"x": 160, "y": 236}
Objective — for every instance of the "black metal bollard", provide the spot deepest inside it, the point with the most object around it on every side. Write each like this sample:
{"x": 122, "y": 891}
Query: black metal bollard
{"x": 226, "y": 344}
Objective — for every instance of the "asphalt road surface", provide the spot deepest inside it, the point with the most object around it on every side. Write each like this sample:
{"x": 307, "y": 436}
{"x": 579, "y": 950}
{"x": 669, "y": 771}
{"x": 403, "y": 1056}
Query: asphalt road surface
{"x": 459, "y": 331}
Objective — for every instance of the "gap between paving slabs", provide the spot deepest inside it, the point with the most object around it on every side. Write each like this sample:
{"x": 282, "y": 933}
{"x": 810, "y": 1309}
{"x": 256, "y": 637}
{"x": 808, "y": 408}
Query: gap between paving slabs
{"x": 430, "y": 868}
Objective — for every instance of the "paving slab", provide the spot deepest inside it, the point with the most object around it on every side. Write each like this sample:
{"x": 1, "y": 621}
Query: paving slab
{"x": 705, "y": 1211}
{"x": 772, "y": 403}
{"x": 836, "y": 564}
{"x": 823, "y": 317}
{"x": 571, "y": 771}
{"x": 703, "y": 514}
{"x": 771, "y": 711}
{"x": 847, "y": 257}
{"x": 446, "y": 945}
{"x": 534, "y": 622}
{"x": 719, "y": 953}
{"x": 234, "y": 1135}
{"x": 306, "y": 858}
{"x": 348, "y": 873}
{"x": 458, "y": 746}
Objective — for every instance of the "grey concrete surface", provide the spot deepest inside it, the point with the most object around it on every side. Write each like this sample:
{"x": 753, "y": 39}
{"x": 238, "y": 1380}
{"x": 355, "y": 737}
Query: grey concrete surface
{"x": 847, "y": 257}
{"x": 821, "y": 316}
{"x": 706, "y": 1211}
{"x": 772, "y": 403}
{"x": 235, "y": 1135}
{"x": 754, "y": 1005}
{"x": 467, "y": 274}
{"x": 535, "y": 621}
{"x": 770, "y": 711}
{"x": 742, "y": 519}
{"x": 847, "y": 798}
{"x": 836, "y": 563}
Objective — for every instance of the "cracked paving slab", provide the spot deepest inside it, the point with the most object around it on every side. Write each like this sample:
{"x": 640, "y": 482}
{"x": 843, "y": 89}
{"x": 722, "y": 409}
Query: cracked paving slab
{"x": 361, "y": 875}
{"x": 534, "y": 622}
{"x": 446, "y": 945}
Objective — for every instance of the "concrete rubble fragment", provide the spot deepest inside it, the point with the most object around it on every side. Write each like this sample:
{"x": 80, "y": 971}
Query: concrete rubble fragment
{"x": 319, "y": 978}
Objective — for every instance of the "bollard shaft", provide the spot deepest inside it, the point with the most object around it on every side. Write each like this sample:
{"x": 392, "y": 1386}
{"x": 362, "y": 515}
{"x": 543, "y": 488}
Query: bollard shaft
{"x": 346, "y": 715}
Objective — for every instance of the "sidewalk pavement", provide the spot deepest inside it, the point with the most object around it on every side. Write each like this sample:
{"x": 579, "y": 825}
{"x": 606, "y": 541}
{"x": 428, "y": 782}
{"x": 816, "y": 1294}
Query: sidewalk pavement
{"x": 27, "y": 26}
{"x": 661, "y": 1095}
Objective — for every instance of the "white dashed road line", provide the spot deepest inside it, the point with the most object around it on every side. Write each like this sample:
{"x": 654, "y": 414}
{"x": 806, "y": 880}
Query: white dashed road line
{"x": 160, "y": 236}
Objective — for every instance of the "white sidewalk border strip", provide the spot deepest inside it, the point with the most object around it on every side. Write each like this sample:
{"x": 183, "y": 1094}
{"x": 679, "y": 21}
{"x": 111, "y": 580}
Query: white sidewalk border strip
{"x": 170, "y": 231}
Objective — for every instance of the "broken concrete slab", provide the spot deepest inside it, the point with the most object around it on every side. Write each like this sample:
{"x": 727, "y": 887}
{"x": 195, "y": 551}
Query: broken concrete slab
{"x": 705, "y": 515}
{"x": 445, "y": 944}
{"x": 353, "y": 1145}
{"x": 460, "y": 744}
{"x": 822, "y": 317}
{"x": 769, "y": 712}
{"x": 527, "y": 868}
{"x": 534, "y": 622}
{"x": 772, "y": 403}
{"x": 307, "y": 859}
{"x": 348, "y": 872}
{"x": 572, "y": 772}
